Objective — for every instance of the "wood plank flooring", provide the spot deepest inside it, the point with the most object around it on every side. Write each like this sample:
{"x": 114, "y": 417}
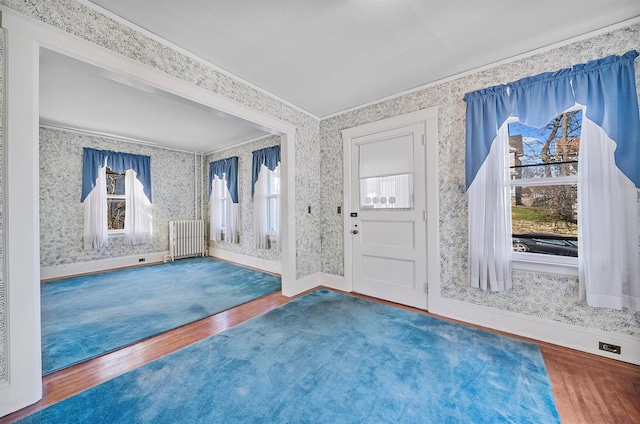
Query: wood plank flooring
{"x": 587, "y": 388}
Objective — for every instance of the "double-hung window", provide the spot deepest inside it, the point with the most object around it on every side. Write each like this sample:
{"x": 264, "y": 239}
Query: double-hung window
{"x": 265, "y": 190}
{"x": 517, "y": 186}
{"x": 223, "y": 200}
{"x": 116, "y": 202}
{"x": 273, "y": 190}
{"x": 116, "y": 193}
{"x": 223, "y": 207}
{"x": 543, "y": 172}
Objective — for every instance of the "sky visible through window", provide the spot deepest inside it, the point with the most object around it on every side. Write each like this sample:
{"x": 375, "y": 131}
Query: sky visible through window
{"x": 544, "y": 217}
{"x": 534, "y": 139}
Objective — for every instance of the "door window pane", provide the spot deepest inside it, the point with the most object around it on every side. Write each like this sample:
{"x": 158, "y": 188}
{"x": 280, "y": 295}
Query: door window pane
{"x": 390, "y": 192}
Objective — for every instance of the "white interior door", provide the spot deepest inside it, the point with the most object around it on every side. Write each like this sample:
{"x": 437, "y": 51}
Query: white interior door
{"x": 388, "y": 215}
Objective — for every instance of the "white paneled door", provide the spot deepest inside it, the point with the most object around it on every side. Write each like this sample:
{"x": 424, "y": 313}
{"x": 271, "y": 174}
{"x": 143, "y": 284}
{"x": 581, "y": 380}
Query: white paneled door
{"x": 388, "y": 215}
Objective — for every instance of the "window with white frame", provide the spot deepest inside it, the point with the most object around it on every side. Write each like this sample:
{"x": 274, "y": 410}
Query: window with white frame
{"x": 223, "y": 204}
{"x": 223, "y": 200}
{"x": 265, "y": 192}
{"x": 116, "y": 201}
{"x": 273, "y": 191}
{"x": 543, "y": 171}
{"x": 608, "y": 265}
{"x": 116, "y": 194}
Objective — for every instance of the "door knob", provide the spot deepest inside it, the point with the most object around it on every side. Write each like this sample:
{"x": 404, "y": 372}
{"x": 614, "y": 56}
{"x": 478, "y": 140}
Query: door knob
{"x": 354, "y": 232}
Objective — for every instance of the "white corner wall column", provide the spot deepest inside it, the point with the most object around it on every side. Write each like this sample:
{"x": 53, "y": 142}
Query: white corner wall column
{"x": 22, "y": 235}
{"x": 25, "y": 37}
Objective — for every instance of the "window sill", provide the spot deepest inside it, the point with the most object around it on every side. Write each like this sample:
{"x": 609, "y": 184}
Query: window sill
{"x": 550, "y": 264}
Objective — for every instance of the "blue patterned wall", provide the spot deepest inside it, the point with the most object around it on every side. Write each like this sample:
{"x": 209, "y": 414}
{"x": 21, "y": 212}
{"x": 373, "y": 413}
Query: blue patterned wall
{"x": 62, "y": 214}
{"x": 535, "y": 294}
{"x": 245, "y": 209}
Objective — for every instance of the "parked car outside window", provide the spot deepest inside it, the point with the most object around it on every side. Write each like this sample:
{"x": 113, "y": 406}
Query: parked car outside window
{"x": 550, "y": 244}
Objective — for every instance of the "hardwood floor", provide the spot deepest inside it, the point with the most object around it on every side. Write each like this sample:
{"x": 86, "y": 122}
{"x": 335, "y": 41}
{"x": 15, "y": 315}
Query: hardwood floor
{"x": 587, "y": 388}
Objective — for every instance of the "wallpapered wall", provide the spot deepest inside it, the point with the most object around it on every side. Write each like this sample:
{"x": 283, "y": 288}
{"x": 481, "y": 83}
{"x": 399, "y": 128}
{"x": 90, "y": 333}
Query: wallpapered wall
{"x": 318, "y": 176}
{"x": 245, "y": 207}
{"x": 3, "y": 292}
{"x": 74, "y": 17}
{"x": 62, "y": 214}
{"x": 84, "y": 22}
{"x": 541, "y": 295}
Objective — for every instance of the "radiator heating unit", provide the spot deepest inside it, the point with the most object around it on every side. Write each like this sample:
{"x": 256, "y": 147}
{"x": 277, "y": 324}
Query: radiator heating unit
{"x": 186, "y": 239}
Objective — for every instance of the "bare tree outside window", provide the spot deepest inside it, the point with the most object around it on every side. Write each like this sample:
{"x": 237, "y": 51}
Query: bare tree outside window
{"x": 544, "y": 197}
{"x": 116, "y": 204}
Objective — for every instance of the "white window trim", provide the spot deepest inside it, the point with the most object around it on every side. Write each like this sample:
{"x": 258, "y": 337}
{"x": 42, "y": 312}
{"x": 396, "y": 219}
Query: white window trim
{"x": 272, "y": 176}
{"x": 537, "y": 262}
{"x": 550, "y": 264}
{"x": 122, "y": 197}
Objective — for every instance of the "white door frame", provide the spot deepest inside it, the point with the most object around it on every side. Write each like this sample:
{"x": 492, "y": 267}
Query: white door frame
{"x": 24, "y": 39}
{"x": 428, "y": 118}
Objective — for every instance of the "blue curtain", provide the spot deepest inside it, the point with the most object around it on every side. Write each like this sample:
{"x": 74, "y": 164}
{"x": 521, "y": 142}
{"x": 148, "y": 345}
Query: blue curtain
{"x": 269, "y": 156}
{"x": 94, "y": 159}
{"x": 537, "y": 100}
{"x": 227, "y": 168}
{"x": 605, "y": 86}
{"x": 487, "y": 110}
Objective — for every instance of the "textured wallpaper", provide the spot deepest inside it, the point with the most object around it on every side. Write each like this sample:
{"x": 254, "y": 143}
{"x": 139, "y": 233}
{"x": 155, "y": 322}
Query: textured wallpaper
{"x": 84, "y": 22}
{"x": 318, "y": 174}
{"x": 245, "y": 207}
{"x": 540, "y": 295}
{"x": 75, "y": 18}
{"x": 62, "y": 214}
{"x": 3, "y": 299}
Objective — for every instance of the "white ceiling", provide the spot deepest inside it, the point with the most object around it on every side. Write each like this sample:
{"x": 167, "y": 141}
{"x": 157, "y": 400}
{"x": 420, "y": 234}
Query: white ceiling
{"x": 80, "y": 96}
{"x": 328, "y": 56}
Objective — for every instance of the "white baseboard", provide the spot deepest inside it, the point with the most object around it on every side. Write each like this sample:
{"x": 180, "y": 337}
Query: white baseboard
{"x": 250, "y": 261}
{"x": 305, "y": 283}
{"x": 68, "y": 270}
{"x": 334, "y": 282}
{"x": 316, "y": 280}
{"x": 545, "y": 330}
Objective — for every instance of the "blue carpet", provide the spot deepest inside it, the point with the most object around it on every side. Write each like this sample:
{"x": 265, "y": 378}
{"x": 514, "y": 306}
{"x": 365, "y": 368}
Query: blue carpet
{"x": 329, "y": 358}
{"x": 84, "y": 317}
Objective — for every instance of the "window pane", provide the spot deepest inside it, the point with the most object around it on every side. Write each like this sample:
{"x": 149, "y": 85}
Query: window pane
{"x": 223, "y": 212}
{"x": 115, "y": 183}
{"x": 392, "y": 192}
{"x": 273, "y": 182}
{"x": 115, "y": 214}
{"x": 272, "y": 213}
{"x": 551, "y": 151}
{"x": 545, "y": 219}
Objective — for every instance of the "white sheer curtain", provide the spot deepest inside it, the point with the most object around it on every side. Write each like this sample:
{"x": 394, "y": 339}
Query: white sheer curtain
{"x": 260, "y": 210}
{"x": 278, "y": 209}
{"x": 215, "y": 208}
{"x": 490, "y": 220}
{"x": 607, "y": 222}
{"x": 219, "y": 209}
{"x": 137, "y": 220}
{"x": 95, "y": 214}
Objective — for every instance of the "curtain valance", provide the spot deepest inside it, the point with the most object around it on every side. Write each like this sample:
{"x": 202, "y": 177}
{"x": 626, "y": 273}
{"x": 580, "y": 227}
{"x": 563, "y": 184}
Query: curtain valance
{"x": 269, "y": 157}
{"x": 118, "y": 162}
{"x": 601, "y": 85}
{"x": 227, "y": 169}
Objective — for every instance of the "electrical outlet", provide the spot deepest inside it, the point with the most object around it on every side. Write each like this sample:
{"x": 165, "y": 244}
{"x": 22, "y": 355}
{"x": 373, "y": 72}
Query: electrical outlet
{"x": 608, "y": 347}
{"x": 339, "y": 210}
